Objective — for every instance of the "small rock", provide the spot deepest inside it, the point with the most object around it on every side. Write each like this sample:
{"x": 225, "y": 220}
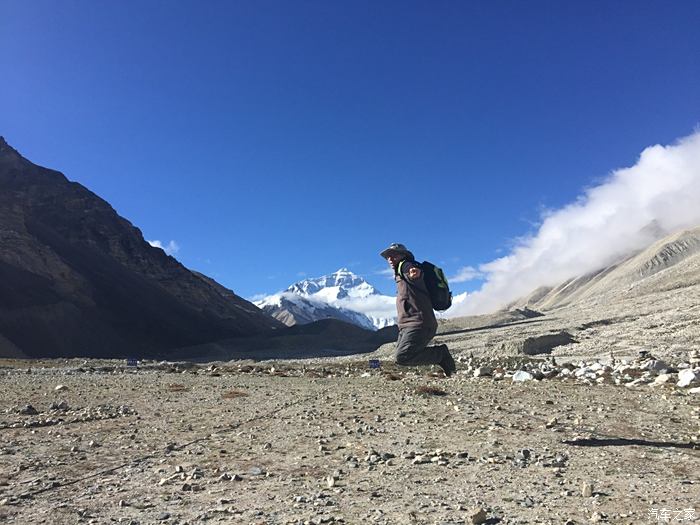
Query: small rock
{"x": 521, "y": 376}
{"x": 687, "y": 377}
{"x": 60, "y": 388}
{"x": 483, "y": 371}
{"x": 61, "y": 405}
{"x": 477, "y": 516}
{"x": 655, "y": 365}
{"x": 163, "y": 516}
{"x": 419, "y": 460}
{"x": 28, "y": 410}
{"x": 587, "y": 489}
{"x": 662, "y": 380}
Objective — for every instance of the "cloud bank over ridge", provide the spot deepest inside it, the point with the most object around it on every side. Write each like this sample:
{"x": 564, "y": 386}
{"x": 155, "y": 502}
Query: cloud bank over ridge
{"x": 631, "y": 209}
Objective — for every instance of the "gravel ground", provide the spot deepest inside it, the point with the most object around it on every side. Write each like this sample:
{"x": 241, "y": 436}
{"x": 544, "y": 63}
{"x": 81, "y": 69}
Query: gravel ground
{"x": 333, "y": 441}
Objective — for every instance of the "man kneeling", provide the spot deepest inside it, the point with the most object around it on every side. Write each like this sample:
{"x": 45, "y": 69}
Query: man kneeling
{"x": 416, "y": 319}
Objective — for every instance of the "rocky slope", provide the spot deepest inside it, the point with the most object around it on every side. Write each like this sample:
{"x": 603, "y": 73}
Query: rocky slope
{"x": 292, "y": 309}
{"x": 78, "y": 279}
{"x": 671, "y": 263}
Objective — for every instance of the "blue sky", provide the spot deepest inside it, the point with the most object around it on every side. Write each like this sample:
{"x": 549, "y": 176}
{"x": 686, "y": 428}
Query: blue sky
{"x": 274, "y": 139}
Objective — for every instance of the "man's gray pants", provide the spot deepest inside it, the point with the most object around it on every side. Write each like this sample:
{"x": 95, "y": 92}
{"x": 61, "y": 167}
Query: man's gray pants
{"x": 412, "y": 347}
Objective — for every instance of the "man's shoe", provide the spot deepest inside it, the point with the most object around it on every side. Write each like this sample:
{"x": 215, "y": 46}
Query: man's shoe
{"x": 448, "y": 363}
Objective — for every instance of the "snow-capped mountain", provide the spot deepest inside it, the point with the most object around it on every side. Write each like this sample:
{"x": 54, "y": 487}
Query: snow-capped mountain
{"x": 341, "y": 295}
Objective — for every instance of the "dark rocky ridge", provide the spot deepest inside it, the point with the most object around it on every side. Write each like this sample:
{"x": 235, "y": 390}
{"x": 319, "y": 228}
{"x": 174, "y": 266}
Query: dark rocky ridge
{"x": 76, "y": 279}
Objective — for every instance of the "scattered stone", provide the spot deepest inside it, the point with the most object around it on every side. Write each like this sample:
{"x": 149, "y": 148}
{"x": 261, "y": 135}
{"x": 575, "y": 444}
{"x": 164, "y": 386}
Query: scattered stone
{"x": 477, "y": 516}
{"x": 587, "y": 489}
{"x": 60, "y": 388}
{"x": 521, "y": 376}
{"x": 662, "y": 380}
{"x": 483, "y": 371}
{"x": 61, "y": 405}
{"x": 687, "y": 377}
{"x": 655, "y": 365}
{"x": 28, "y": 410}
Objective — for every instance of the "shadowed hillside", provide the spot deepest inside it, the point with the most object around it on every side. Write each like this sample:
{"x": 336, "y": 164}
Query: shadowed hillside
{"x": 76, "y": 279}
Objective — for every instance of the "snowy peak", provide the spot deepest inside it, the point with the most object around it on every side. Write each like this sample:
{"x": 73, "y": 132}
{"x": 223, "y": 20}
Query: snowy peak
{"x": 338, "y": 285}
{"x": 340, "y": 295}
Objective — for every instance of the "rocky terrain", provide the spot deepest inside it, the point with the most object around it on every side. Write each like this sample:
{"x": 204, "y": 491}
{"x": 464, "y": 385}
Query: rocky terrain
{"x": 337, "y": 441}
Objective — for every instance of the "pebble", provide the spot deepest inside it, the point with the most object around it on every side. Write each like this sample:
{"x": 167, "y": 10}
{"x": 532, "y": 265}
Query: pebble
{"x": 28, "y": 410}
{"x": 587, "y": 489}
{"x": 477, "y": 516}
{"x": 522, "y": 375}
{"x": 61, "y": 405}
{"x": 687, "y": 377}
{"x": 662, "y": 380}
{"x": 483, "y": 371}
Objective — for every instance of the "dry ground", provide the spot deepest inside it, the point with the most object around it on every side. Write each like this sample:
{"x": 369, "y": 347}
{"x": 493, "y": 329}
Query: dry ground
{"x": 317, "y": 442}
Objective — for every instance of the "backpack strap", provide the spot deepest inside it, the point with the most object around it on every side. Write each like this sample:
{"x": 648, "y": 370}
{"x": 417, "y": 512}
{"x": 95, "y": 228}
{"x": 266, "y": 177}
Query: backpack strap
{"x": 398, "y": 268}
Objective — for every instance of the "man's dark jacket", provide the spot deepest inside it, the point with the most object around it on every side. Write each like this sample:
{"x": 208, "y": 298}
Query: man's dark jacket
{"x": 412, "y": 300}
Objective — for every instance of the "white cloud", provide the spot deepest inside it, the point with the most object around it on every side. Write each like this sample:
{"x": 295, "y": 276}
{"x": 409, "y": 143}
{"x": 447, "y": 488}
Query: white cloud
{"x": 387, "y": 272}
{"x": 377, "y": 306}
{"x": 467, "y": 273}
{"x": 171, "y": 248}
{"x": 632, "y": 208}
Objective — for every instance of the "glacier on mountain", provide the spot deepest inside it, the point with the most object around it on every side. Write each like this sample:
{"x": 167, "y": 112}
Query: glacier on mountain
{"x": 341, "y": 295}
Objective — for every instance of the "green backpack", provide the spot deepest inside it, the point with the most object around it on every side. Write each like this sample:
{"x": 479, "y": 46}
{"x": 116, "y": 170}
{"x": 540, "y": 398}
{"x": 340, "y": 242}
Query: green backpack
{"x": 436, "y": 283}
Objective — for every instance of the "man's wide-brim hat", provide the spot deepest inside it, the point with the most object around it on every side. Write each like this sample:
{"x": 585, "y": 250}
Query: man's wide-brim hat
{"x": 395, "y": 248}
